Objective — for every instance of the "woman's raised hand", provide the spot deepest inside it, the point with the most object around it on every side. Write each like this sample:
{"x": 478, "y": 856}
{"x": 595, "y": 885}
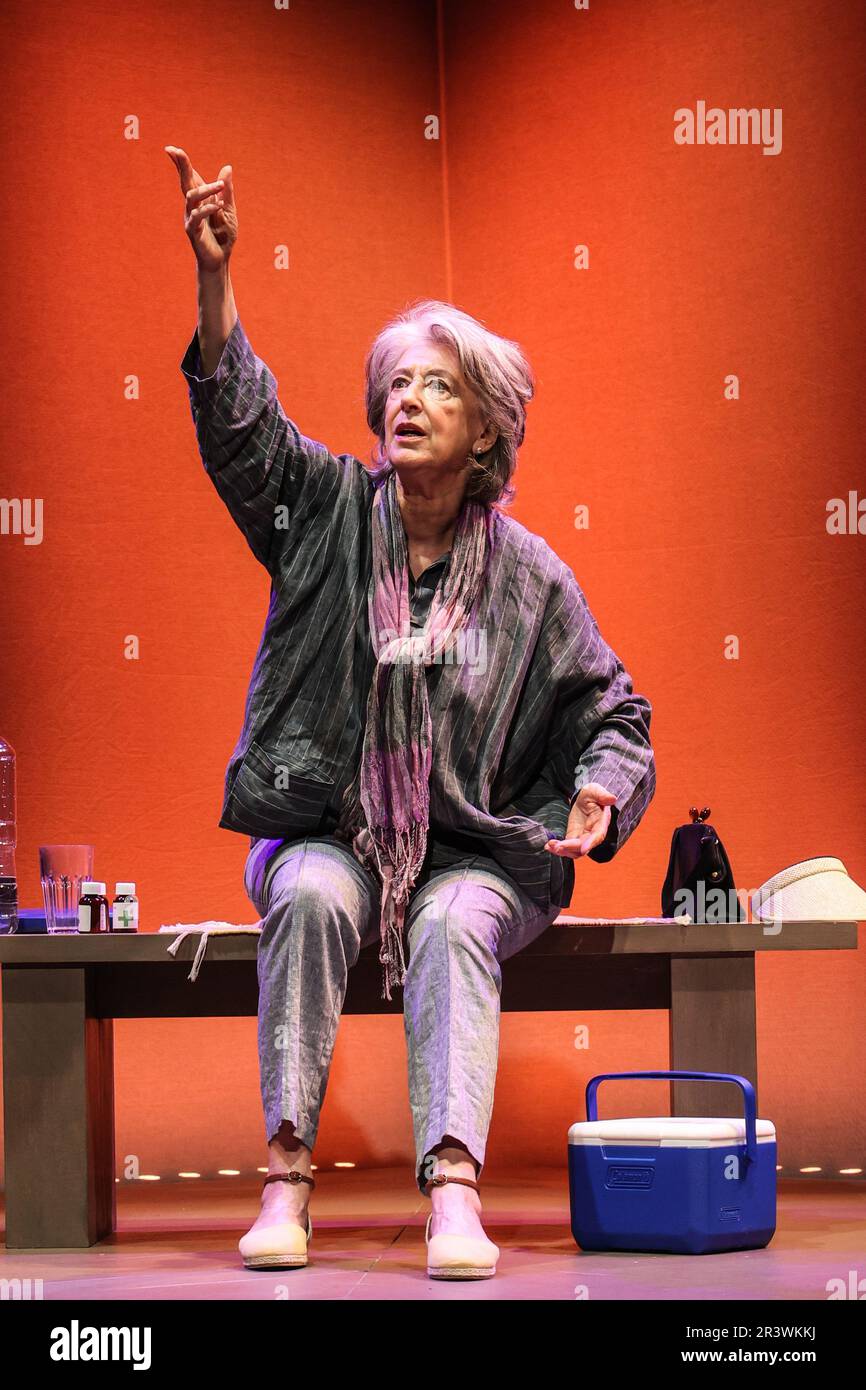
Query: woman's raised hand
{"x": 210, "y": 216}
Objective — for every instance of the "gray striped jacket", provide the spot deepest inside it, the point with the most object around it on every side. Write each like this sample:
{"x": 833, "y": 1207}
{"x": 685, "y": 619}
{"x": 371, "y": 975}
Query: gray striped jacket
{"x": 538, "y": 705}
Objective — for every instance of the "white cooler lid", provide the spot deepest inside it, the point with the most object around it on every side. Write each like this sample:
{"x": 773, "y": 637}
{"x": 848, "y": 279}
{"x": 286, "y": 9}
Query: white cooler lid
{"x": 664, "y": 1131}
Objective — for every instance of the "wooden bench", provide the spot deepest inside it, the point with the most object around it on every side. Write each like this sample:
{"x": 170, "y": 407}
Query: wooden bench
{"x": 61, "y": 995}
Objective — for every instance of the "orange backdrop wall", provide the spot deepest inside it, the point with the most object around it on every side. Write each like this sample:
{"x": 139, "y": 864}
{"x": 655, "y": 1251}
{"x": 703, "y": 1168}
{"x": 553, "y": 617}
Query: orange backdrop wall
{"x": 707, "y": 514}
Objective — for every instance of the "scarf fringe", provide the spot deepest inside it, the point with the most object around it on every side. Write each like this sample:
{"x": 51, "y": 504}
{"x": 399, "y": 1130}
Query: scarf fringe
{"x": 403, "y": 853}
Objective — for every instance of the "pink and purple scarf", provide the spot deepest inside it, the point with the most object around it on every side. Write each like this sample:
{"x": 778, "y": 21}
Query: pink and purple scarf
{"x": 386, "y": 808}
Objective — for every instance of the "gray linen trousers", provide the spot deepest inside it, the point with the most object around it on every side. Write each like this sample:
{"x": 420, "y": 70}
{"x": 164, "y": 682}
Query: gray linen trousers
{"x": 319, "y": 906}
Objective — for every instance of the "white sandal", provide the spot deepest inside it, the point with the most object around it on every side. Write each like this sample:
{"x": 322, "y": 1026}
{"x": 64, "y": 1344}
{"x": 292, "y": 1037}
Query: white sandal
{"x": 283, "y": 1245}
{"x": 456, "y": 1256}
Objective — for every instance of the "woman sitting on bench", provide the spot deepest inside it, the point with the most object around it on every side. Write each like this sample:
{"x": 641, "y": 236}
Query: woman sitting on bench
{"x": 435, "y": 729}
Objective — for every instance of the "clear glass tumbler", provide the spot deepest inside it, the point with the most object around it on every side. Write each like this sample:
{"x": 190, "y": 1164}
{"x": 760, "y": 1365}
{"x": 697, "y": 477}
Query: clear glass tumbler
{"x": 63, "y": 869}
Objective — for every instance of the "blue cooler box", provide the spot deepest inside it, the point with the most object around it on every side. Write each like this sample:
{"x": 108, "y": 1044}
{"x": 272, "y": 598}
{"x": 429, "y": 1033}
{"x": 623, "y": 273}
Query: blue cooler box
{"x": 672, "y": 1183}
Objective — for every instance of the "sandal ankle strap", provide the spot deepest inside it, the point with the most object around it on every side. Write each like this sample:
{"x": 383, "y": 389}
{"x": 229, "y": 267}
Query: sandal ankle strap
{"x": 441, "y": 1178}
{"x": 292, "y": 1176}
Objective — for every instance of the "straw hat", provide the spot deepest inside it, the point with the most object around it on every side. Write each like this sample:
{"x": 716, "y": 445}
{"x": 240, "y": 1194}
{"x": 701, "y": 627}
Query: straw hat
{"x": 815, "y": 890}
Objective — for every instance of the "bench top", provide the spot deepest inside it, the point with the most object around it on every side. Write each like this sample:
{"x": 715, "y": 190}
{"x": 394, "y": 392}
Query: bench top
{"x": 568, "y": 936}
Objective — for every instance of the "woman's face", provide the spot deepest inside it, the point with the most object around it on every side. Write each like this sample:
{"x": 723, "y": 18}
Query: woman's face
{"x": 427, "y": 390}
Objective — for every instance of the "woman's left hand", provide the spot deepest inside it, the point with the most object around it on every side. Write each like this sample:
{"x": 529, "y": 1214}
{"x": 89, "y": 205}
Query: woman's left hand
{"x": 588, "y": 822}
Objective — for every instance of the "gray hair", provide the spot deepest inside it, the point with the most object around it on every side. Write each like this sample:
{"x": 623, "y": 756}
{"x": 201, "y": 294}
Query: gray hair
{"x": 495, "y": 368}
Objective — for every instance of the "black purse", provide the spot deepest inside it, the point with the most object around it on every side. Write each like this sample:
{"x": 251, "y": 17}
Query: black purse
{"x": 699, "y": 879}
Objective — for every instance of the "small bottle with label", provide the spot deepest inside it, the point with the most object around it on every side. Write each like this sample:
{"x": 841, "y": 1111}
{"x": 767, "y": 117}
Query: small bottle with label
{"x": 93, "y": 907}
{"x": 124, "y": 909}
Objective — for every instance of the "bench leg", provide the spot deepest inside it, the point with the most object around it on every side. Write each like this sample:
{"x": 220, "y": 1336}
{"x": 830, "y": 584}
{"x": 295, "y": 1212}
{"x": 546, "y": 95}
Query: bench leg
{"x": 58, "y": 1094}
{"x": 712, "y": 1028}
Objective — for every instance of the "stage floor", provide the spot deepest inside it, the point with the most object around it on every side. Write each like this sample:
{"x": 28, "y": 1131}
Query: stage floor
{"x": 178, "y": 1240}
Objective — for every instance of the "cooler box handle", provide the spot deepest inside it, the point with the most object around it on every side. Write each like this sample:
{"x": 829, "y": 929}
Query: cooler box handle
{"x": 743, "y": 1082}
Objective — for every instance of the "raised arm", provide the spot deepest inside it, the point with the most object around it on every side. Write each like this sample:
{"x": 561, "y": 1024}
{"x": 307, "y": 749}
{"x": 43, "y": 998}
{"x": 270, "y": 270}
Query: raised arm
{"x": 268, "y": 474}
{"x": 211, "y": 223}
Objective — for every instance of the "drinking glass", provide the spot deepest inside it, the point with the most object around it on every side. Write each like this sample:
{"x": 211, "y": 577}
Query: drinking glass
{"x": 63, "y": 869}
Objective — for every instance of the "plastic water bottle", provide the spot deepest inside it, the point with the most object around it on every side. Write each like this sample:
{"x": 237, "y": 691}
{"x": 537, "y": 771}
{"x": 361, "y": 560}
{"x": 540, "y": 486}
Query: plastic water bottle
{"x": 8, "y": 880}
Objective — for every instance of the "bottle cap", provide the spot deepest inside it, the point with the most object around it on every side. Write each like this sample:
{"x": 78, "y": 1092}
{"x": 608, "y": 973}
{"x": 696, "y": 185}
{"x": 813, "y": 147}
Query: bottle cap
{"x": 127, "y": 888}
{"x": 89, "y": 885}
